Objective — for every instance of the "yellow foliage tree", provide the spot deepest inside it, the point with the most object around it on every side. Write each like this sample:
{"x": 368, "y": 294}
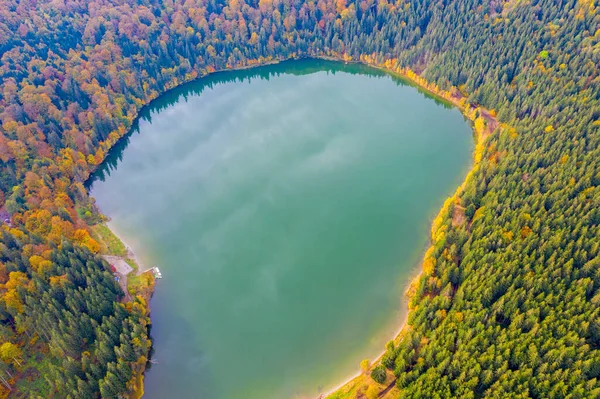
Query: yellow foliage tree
{"x": 83, "y": 237}
{"x": 479, "y": 125}
{"x": 364, "y": 365}
{"x": 10, "y": 353}
{"x": 429, "y": 266}
{"x": 372, "y": 392}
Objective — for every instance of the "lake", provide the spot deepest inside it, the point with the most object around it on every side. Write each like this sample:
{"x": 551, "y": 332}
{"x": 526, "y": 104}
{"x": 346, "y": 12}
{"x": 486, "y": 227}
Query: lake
{"x": 287, "y": 207}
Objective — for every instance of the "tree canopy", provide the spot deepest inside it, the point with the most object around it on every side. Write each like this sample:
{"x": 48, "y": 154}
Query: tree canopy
{"x": 508, "y": 303}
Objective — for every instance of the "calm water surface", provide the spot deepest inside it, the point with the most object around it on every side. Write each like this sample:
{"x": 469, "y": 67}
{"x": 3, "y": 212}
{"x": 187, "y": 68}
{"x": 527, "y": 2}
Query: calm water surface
{"x": 287, "y": 208}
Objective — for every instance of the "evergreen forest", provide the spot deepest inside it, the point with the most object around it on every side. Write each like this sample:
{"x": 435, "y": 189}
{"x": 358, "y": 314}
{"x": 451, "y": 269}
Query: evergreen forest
{"x": 508, "y": 304}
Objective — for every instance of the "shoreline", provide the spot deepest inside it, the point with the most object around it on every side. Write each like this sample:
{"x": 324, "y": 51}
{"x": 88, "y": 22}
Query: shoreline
{"x": 131, "y": 254}
{"x": 405, "y": 74}
{"x": 396, "y": 337}
{"x": 138, "y": 285}
{"x": 479, "y": 138}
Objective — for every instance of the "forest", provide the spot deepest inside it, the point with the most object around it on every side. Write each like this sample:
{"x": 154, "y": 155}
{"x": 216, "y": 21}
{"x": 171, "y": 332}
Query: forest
{"x": 508, "y": 304}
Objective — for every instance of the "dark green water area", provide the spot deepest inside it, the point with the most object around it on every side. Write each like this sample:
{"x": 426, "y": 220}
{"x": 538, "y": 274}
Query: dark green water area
{"x": 287, "y": 207}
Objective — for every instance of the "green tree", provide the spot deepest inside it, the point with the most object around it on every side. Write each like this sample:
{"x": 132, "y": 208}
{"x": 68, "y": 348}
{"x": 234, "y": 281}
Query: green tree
{"x": 378, "y": 374}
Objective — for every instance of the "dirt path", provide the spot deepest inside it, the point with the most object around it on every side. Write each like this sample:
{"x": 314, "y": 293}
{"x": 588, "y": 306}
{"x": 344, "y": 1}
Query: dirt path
{"x": 123, "y": 283}
{"x": 387, "y": 389}
{"x": 491, "y": 123}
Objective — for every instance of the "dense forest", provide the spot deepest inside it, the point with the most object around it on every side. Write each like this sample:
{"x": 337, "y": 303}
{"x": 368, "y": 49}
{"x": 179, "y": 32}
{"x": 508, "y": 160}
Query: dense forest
{"x": 508, "y": 304}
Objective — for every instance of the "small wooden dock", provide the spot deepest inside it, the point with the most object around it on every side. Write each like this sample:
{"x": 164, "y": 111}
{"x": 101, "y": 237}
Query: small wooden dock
{"x": 156, "y": 271}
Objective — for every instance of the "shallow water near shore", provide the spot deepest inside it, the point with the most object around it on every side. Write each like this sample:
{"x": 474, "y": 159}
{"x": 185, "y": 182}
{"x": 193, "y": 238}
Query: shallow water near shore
{"x": 287, "y": 207}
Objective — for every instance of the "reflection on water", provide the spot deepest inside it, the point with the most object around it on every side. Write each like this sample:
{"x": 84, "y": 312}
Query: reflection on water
{"x": 287, "y": 207}
{"x": 183, "y": 92}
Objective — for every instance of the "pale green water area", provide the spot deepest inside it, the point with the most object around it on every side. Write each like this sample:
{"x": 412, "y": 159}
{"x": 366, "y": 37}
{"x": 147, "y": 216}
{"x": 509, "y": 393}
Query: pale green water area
{"x": 287, "y": 208}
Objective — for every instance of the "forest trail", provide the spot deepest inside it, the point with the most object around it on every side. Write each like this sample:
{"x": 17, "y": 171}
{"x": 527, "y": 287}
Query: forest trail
{"x": 491, "y": 123}
{"x": 387, "y": 389}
